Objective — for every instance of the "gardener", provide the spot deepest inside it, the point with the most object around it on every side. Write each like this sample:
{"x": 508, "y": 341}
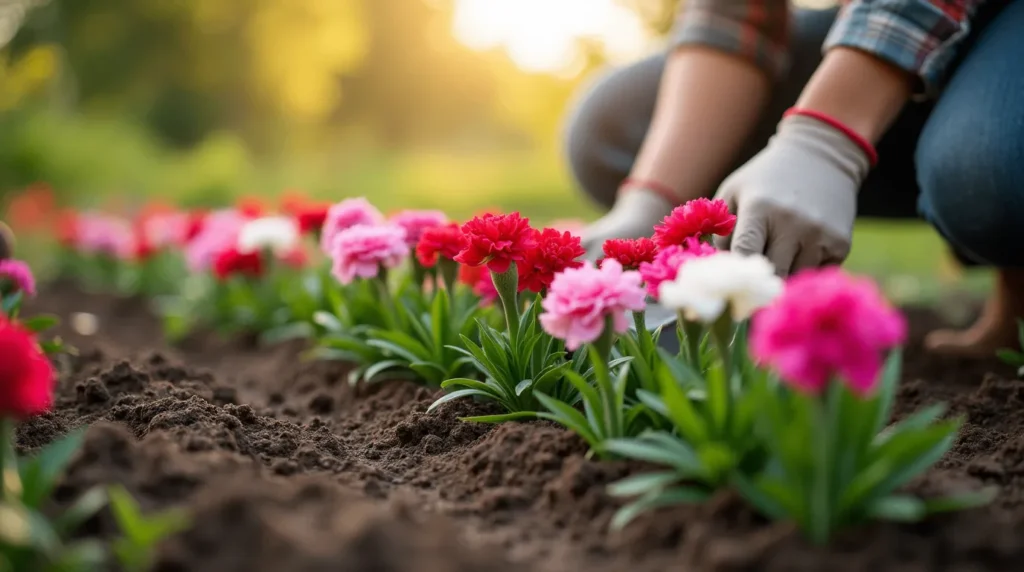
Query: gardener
{"x": 912, "y": 107}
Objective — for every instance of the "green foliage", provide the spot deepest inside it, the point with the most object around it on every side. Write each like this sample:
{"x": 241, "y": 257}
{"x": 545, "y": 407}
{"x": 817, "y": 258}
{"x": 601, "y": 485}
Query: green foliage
{"x": 29, "y": 541}
{"x": 606, "y": 413}
{"x": 516, "y": 368}
{"x": 135, "y": 550}
{"x": 832, "y": 462}
{"x": 10, "y": 305}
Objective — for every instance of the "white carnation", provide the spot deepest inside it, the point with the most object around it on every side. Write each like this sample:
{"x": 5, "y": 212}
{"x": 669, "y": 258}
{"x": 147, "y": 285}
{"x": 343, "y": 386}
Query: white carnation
{"x": 706, "y": 286}
{"x": 279, "y": 234}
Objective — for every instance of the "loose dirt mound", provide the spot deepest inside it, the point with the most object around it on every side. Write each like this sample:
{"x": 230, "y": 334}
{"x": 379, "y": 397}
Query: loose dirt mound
{"x": 286, "y": 467}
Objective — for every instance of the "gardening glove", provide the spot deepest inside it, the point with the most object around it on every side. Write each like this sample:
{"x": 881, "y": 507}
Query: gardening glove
{"x": 796, "y": 200}
{"x": 634, "y": 215}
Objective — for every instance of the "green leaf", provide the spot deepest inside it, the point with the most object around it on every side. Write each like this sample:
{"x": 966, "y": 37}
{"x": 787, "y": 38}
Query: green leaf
{"x": 962, "y": 501}
{"x": 11, "y": 303}
{"x": 571, "y": 418}
{"x": 658, "y": 453}
{"x": 523, "y": 386}
{"x": 656, "y": 500}
{"x": 515, "y": 416}
{"x": 493, "y": 389}
{"x": 899, "y": 508}
{"x": 328, "y": 321}
{"x": 380, "y": 367}
{"x": 1010, "y": 357}
{"x": 771, "y": 497}
{"x": 642, "y": 484}
{"x": 39, "y": 474}
{"x": 41, "y": 322}
{"x": 888, "y": 388}
{"x": 458, "y": 395}
{"x": 682, "y": 414}
{"x": 82, "y": 510}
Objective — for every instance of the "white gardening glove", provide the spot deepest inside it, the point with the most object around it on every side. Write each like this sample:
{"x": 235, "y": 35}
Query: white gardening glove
{"x": 634, "y": 215}
{"x": 796, "y": 200}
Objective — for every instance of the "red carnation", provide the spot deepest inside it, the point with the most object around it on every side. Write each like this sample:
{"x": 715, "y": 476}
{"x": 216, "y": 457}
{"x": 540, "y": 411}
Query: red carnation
{"x": 195, "y": 224}
{"x": 311, "y": 217}
{"x": 231, "y": 262}
{"x": 26, "y": 375}
{"x": 251, "y": 207}
{"x": 630, "y": 253}
{"x": 446, "y": 241}
{"x": 555, "y": 252}
{"x": 697, "y": 218}
{"x": 497, "y": 241}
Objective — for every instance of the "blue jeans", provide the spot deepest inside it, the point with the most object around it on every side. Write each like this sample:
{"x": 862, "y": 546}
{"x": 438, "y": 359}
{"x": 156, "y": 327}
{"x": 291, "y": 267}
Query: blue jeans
{"x": 957, "y": 162}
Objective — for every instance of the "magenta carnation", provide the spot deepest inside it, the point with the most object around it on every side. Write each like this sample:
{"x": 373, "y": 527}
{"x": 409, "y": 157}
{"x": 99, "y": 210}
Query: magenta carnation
{"x": 19, "y": 275}
{"x": 580, "y": 299}
{"x": 668, "y": 260}
{"x": 415, "y": 222}
{"x": 347, "y": 214}
{"x": 218, "y": 234}
{"x": 361, "y": 251}
{"x": 827, "y": 324}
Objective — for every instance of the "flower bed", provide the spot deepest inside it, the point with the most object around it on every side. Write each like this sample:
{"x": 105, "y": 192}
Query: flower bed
{"x": 403, "y": 407}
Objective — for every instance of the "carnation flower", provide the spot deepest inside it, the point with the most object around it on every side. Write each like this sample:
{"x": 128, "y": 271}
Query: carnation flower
{"x": 18, "y": 274}
{"x": 555, "y": 251}
{"x": 26, "y": 375}
{"x": 827, "y": 324}
{"x": 102, "y": 234}
{"x": 705, "y": 286}
{"x": 496, "y": 241}
{"x": 580, "y": 300}
{"x": 164, "y": 230}
{"x": 310, "y": 217}
{"x": 415, "y": 222}
{"x": 479, "y": 281}
{"x": 196, "y": 220}
{"x": 345, "y": 215}
{"x": 362, "y": 250}
{"x": 218, "y": 234}
{"x": 233, "y": 261}
{"x": 445, "y": 241}
{"x": 695, "y": 219}
{"x": 276, "y": 233}
{"x": 251, "y": 207}
{"x": 667, "y": 261}
{"x": 631, "y": 253}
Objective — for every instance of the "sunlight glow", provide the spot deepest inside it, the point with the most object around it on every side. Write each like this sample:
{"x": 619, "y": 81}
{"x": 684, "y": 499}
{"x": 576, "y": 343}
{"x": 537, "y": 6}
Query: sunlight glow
{"x": 543, "y": 35}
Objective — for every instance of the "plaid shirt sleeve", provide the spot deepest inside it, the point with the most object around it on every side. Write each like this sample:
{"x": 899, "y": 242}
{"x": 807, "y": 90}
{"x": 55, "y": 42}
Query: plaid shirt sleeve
{"x": 920, "y": 36}
{"x": 757, "y": 30}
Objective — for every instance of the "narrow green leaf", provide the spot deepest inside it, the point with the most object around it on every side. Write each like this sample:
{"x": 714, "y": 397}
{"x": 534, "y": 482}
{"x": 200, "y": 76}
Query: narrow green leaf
{"x": 523, "y": 386}
{"x": 380, "y": 367}
{"x": 656, "y": 500}
{"x": 328, "y": 321}
{"x": 899, "y": 508}
{"x": 40, "y": 473}
{"x": 41, "y": 322}
{"x": 642, "y": 484}
{"x": 888, "y": 388}
{"x": 84, "y": 508}
{"x": 571, "y": 418}
{"x": 458, "y": 395}
{"x": 961, "y": 501}
{"x": 514, "y": 416}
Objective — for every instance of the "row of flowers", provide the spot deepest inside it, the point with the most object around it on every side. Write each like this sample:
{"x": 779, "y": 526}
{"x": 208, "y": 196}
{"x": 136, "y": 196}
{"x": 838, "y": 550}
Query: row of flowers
{"x": 781, "y": 391}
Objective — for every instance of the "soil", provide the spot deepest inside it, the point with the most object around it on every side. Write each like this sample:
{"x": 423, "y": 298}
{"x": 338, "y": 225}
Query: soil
{"x": 284, "y": 466}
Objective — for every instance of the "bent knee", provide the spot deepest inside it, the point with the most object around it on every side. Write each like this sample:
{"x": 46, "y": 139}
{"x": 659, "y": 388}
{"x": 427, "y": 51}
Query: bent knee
{"x": 606, "y": 126}
{"x": 972, "y": 190}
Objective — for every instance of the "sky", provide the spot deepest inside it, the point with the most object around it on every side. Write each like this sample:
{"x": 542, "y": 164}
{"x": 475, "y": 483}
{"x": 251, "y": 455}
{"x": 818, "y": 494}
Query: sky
{"x": 540, "y": 35}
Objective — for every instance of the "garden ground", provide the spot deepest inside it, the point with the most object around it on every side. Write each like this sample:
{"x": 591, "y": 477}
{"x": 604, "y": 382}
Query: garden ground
{"x": 284, "y": 466}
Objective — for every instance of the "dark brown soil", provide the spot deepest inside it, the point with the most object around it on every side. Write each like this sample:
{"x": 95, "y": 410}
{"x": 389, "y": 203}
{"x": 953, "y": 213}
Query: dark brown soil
{"x": 286, "y": 467}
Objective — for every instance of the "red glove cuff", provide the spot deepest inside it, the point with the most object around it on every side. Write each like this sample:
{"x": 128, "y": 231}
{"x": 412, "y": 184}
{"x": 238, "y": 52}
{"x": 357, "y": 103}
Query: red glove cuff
{"x": 664, "y": 191}
{"x": 852, "y": 135}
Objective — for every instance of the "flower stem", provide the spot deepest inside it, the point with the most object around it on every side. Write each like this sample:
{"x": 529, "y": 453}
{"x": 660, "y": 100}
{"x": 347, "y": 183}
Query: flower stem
{"x": 10, "y": 482}
{"x": 691, "y": 333}
{"x": 386, "y": 303}
{"x": 507, "y": 285}
{"x": 721, "y": 333}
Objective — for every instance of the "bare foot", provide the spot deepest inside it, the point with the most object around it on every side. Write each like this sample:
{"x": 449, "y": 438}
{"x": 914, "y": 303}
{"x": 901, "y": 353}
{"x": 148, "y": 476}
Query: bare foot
{"x": 996, "y": 328}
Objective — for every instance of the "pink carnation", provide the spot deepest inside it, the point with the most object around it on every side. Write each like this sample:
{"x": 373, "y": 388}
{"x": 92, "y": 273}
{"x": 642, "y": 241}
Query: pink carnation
{"x": 668, "y": 260}
{"x": 361, "y": 251}
{"x": 347, "y": 214}
{"x": 415, "y": 222}
{"x": 579, "y": 300}
{"x": 218, "y": 234}
{"x": 827, "y": 324}
{"x": 19, "y": 275}
{"x": 103, "y": 234}
{"x": 165, "y": 230}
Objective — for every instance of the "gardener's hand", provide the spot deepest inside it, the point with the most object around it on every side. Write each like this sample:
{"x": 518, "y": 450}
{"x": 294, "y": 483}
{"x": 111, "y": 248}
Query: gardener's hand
{"x": 634, "y": 215}
{"x": 797, "y": 199}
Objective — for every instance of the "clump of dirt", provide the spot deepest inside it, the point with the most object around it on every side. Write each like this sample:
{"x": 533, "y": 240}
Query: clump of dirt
{"x": 285, "y": 466}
